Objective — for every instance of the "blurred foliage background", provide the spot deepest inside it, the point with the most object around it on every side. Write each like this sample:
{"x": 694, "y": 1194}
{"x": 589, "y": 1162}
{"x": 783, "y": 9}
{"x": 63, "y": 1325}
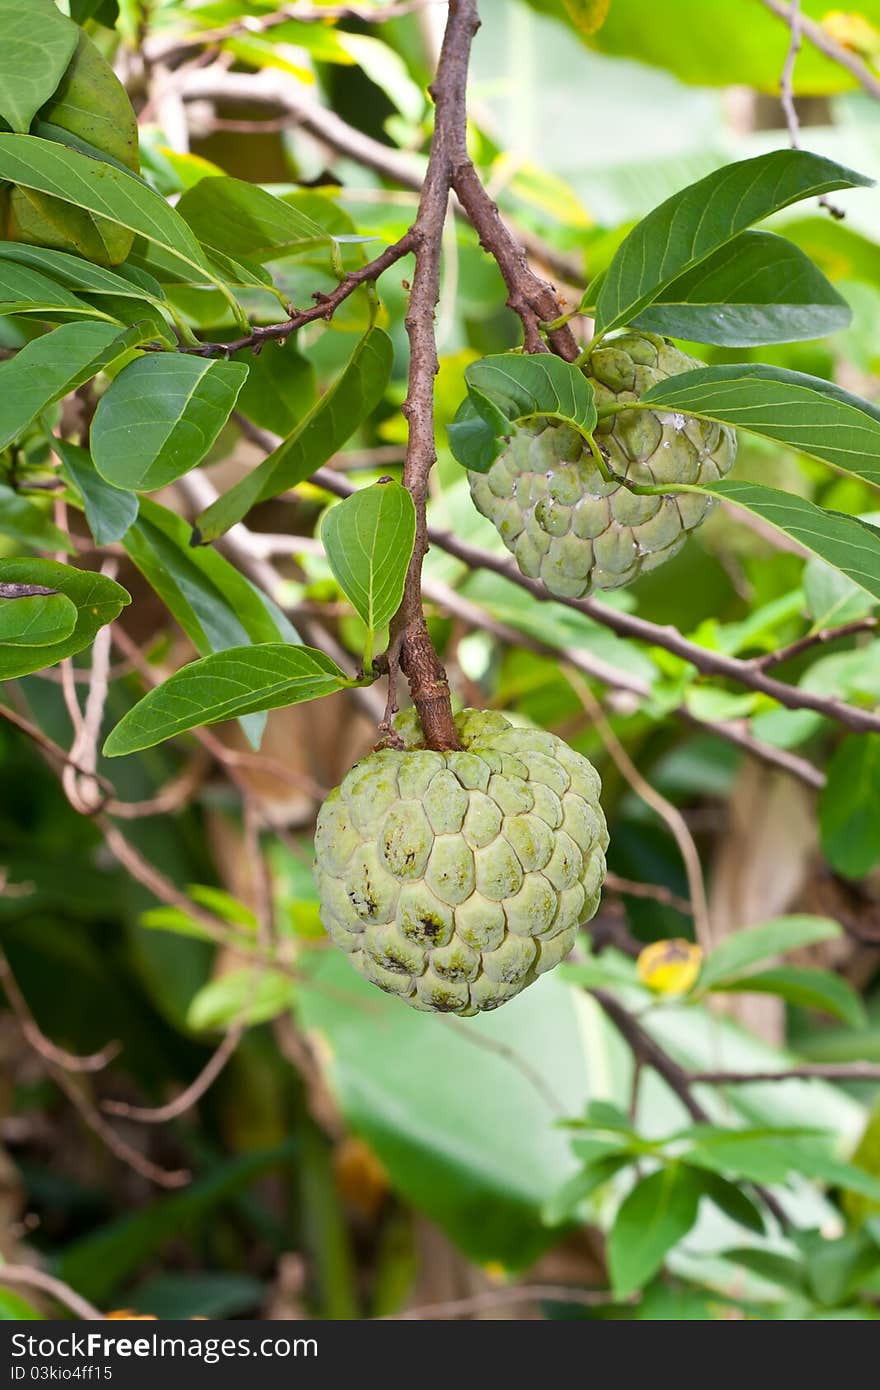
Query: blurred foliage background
{"x": 352, "y": 1158}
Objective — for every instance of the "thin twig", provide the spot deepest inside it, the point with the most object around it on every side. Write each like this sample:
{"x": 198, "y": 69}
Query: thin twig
{"x": 812, "y": 639}
{"x": 649, "y": 1053}
{"x": 23, "y": 1276}
{"x": 787, "y": 97}
{"x": 821, "y": 39}
{"x": 188, "y": 1098}
{"x": 656, "y": 892}
{"x": 807, "y": 1071}
{"x": 514, "y": 1059}
{"x": 665, "y": 810}
{"x": 498, "y": 1298}
{"x": 34, "y": 1035}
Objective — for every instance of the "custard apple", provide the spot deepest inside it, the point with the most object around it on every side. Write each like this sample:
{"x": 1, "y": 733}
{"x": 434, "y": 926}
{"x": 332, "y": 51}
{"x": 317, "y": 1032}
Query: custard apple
{"x": 455, "y": 879}
{"x": 568, "y": 527}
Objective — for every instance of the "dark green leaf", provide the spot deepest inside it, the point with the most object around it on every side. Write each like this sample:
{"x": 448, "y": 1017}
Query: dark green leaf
{"x": 29, "y": 523}
{"x": 729, "y": 1199}
{"x": 160, "y": 417}
{"x": 280, "y": 387}
{"x": 216, "y": 606}
{"x": 226, "y": 685}
{"x": 328, "y": 425}
{"x": 843, "y": 541}
{"x": 241, "y": 219}
{"x": 472, "y": 439}
{"x": 791, "y": 408}
{"x": 109, "y": 511}
{"x": 37, "y": 620}
{"x": 759, "y": 288}
{"x": 369, "y": 541}
{"x": 529, "y": 387}
{"x": 745, "y": 948}
{"x": 49, "y": 367}
{"x": 694, "y": 224}
{"x": 26, "y": 291}
{"x": 849, "y": 807}
{"x": 564, "y": 1204}
{"x": 36, "y": 44}
{"x": 77, "y": 274}
{"x": 772, "y": 1266}
{"x": 808, "y": 989}
{"x": 98, "y": 601}
{"x": 658, "y": 1213}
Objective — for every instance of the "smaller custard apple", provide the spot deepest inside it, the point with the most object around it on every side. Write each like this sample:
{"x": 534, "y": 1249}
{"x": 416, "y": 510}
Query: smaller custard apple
{"x": 455, "y": 879}
{"x": 565, "y": 524}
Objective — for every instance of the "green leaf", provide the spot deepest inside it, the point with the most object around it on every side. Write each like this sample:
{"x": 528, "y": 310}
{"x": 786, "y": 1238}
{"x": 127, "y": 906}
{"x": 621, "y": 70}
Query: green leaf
{"x": 694, "y": 224}
{"x": 36, "y": 620}
{"x": 729, "y": 1199}
{"x": 98, "y": 601}
{"x": 744, "y": 948}
{"x": 241, "y": 219}
{"x": 216, "y": 605}
{"x": 772, "y": 1266}
{"x": 109, "y": 511}
{"x": 759, "y": 288}
{"x": 473, "y": 441}
{"x": 587, "y": 16}
{"x": 848, "y": 544}
{"x": 791, "y": 408}
{"x": 26, "y": 291}
{"x": 14, "y": 1308}
{"x": 529, "y": 387}
{"x": 241, "y": 996}
{"x": 83, "y": 276}
{"x": 101, "y": 189}
{"x": 50, "y": 367}
{"x": 658, "y": 1213}
{"x": 563, "y": 1205}
{"x": 92, "y": 106}
{"x": 808, "y": 989}
{"x": 849, "y": 807}
{"x": 328, "y": 425}
{"x": 369, "y": 542}
{"x": 226, "y": 685}
{"x": 36, "y": 44}
{"x": 280, "y": 387}
{"x": 24, "y": 521}
{"x": 160, "y": 417}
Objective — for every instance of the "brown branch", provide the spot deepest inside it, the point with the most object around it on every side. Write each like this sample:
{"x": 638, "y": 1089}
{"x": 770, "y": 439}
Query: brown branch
{"x": 709, "y": 663}
{"x": 808, "y": 1071}
{"x": 657, "y": 892}
{"x": 418, "y": 660}
{"x": 188, "y": 1098}
{"x": 303, "y": 14}
{"x": 648, "y": 1053}
{"x": 475, "y": 558}
{"x": 34, "y": 1035}
{"x": 822, "y": 40}
{"x": 273, "y": 89}
{"x": 811, "y": 639}
{"x": 531, "y": 298}
{"x": 324, "y": 309}
{"x": 23, "y": 1276}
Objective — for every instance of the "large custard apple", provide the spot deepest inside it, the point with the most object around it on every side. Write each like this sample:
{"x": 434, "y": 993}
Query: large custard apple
{"x": 568, "y": 527}
{"x": 456, "y": 879}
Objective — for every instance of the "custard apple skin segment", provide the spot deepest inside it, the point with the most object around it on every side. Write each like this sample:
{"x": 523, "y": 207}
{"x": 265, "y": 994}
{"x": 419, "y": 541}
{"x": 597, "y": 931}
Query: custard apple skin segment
{"x": 548, "y": 501}
{"x": 454, "y": 880}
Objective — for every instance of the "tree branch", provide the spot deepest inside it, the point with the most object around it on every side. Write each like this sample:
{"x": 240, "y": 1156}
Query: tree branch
{"x": 822, "y": 40}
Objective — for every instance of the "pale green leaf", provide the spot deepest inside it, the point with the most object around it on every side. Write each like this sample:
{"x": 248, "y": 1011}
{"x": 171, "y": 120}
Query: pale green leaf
{"x": 751, "y": 944}
{"x": 849, "y": 807}
{"x": 808, "y": 989}
{"x": 658, "y": 1213}
{"x": 241, "y": 996}
{"x": 369, "y": 541}
{"x": 226, "y": 685}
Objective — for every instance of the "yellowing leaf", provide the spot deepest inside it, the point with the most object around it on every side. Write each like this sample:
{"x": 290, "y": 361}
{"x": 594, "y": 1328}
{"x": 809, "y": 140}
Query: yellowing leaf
{"x": 670, "y": 967}
{"x": 587, "y": 16}
{"x": 853, "y": 31}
